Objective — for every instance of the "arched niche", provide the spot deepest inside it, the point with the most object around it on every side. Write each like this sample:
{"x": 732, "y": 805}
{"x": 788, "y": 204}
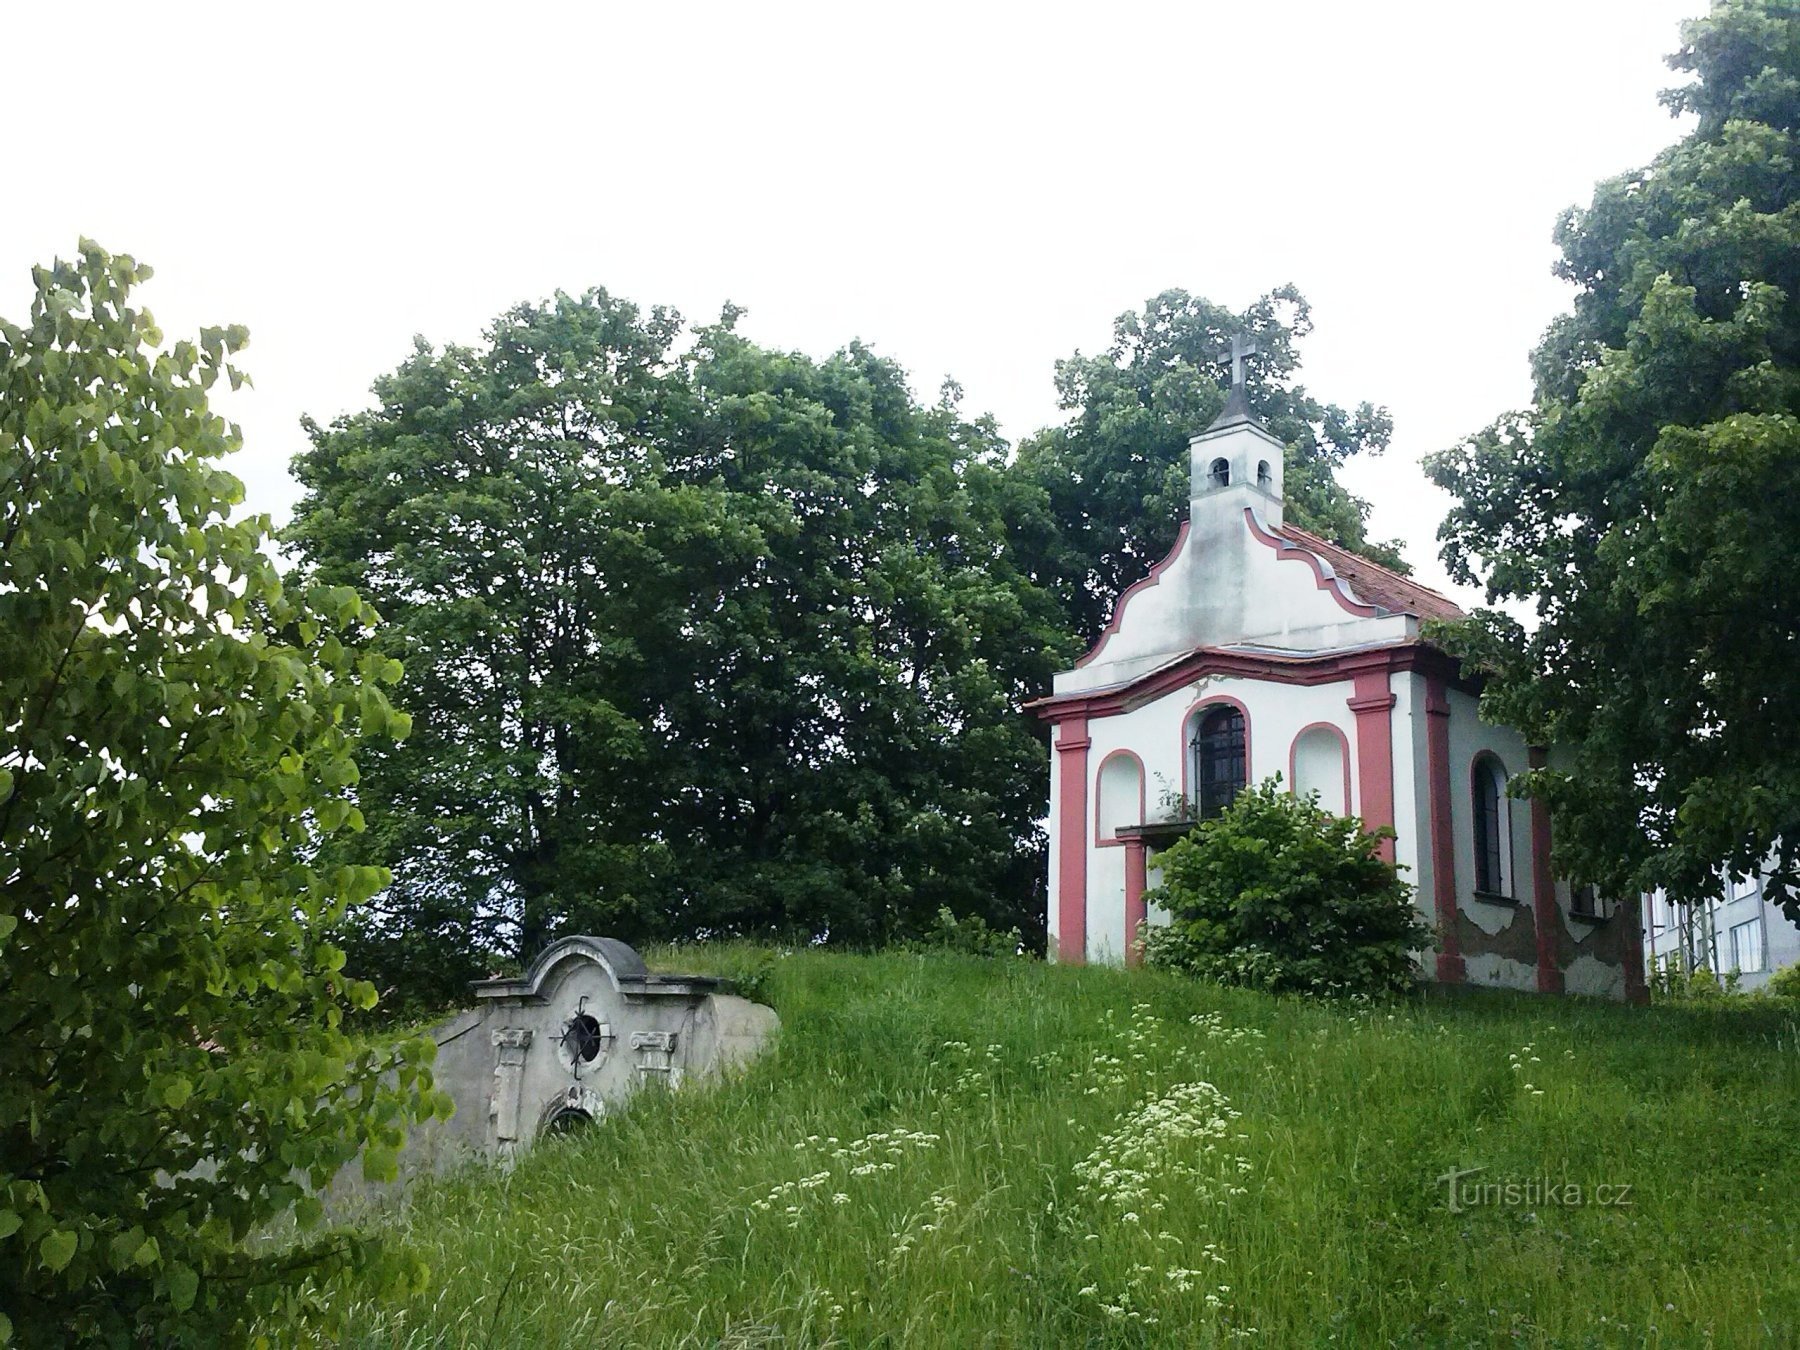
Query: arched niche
{"x": 1118, "y": 796}
{"x": 1320, "y": 763}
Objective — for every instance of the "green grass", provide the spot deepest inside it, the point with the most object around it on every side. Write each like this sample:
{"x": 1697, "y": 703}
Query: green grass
{"x": 1332, "y": 1230}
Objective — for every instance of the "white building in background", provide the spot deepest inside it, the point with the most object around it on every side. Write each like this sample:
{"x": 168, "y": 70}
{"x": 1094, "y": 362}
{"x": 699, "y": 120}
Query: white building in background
{"x": 1739, "y": 931}
{"x": 1256, "y": 648}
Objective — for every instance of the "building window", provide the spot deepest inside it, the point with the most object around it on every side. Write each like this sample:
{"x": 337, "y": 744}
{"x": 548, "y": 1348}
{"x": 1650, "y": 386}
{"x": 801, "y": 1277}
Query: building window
{"x": 1264, "y": 479}
{"x": 1492, "y": 845}
{"x": 1746, "y": 946}
{"x": 1584, "y": 902}
{"x": 1221, "y": 473}
{"x": 1218, "y": 752}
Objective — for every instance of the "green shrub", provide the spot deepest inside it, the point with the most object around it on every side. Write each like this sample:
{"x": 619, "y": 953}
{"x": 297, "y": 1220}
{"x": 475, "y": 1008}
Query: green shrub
{"x": 1277, "y": 894}
{"x": 1784, "y": 983}
{"x": 1670, "y": 984}
{"x": 970, "y": 936}
{"x": 175, "y": 1069}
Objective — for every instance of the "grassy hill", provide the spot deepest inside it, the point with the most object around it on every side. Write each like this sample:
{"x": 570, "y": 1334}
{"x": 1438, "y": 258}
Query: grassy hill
{"x": 946, "y": 1152}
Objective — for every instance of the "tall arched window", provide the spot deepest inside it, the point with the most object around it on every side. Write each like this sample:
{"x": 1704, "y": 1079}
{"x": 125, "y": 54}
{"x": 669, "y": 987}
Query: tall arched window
{"x": 1264, "y": 479}
{"x": 1493, "y": 841}
{"x": 1218, "y": 753}
{"x": 1221, "y": 473}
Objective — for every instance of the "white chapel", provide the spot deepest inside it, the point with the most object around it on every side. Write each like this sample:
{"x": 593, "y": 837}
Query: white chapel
{"x": 1256, "y": 648}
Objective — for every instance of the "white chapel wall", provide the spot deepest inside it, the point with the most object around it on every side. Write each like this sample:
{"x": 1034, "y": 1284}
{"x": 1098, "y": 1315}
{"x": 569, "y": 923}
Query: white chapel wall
{"x": 1156, "y": 734}
{"x": 1222, "y": 585}
{"x": 1412, "y": 788}
{"x": 1053, "y": 925}
{"x": 1106, "y": 905}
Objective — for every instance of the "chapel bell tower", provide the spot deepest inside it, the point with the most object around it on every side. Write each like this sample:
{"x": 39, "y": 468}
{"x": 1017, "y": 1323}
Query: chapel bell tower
{"x": 1235, "y": 463}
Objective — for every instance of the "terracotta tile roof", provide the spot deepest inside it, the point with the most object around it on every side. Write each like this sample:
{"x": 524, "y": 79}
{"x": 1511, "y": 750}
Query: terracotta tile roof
{"x": 1374, "y": 584}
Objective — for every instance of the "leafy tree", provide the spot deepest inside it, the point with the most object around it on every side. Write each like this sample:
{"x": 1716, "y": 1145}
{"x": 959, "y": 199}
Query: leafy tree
{"x": 176, "y": 735}
{"x": 727, "y": 640}
{"x": 1114, "y": 475}
{"x": 1279, "y": 895}
{"x": 1643, "y": 504}
{"x": 506, "y": 508}
{"x": 855, "y": 730}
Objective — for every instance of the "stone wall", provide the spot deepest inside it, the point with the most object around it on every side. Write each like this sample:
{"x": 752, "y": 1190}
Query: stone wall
{"x": 571, "y": 1039}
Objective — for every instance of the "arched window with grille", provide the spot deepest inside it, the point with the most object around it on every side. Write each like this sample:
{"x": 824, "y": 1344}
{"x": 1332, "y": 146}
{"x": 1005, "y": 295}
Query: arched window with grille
{"x": 1220, "y": 473}
{"x": 1493, "y": 833}
{"x": 1218, "y": 757}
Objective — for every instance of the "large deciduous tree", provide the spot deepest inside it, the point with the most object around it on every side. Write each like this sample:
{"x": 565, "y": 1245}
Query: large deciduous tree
{"x": 724, "y": 640}
{"x": 506, "y": 506}
{"x": 1115, "y": 472}
{"x": 1645, "y": 503}
{"x": 176, "y": 736}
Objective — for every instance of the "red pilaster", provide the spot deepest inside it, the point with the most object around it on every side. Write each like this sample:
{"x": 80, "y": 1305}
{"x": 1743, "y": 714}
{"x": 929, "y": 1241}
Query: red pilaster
{"x": 1543, "y": 891}
{"x": 1451, "y": 968}
{"x": 1137, "y": 872}
{"x": 1072, "y": 840}
{"x": 1631, "y": 913}
{"x": 1373, "y": 704}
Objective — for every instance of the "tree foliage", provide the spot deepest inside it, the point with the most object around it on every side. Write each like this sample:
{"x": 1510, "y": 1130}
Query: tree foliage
{"x": 715, "y": 639}
{"x": 176, "y": 735}
{"x": 1115, "y": 473}
{"x": 1643, "y": 504}
{"x": 1277, "y": 894}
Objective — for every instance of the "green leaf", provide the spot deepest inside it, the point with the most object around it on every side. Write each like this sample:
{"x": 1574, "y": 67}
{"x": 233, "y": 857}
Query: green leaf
{"x": 57, "y": 1248}
{"x": 380, "y": 1163}
{"x": 183, "y": 1285}
{"x": 131, "y": 1248}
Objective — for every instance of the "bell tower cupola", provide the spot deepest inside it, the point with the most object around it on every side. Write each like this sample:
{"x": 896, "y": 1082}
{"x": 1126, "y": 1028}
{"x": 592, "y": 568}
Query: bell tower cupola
{"x": 1235, "y": 462}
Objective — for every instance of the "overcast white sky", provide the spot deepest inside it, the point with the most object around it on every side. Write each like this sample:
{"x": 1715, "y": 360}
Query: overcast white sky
{"x": 976, "y": 190}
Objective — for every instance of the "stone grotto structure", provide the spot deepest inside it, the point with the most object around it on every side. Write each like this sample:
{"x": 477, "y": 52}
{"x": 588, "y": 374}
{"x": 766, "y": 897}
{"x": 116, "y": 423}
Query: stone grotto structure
{"x": 585, "y": 1027}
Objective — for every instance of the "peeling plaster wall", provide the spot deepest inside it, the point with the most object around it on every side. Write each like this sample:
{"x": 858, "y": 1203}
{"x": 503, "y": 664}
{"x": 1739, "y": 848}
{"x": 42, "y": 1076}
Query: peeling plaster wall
{"x": 1501, "y": 972}
{"x": 1592, "y": 975}
{"x": 1505, "y": 956}
{"x": 1499, "y": 940}
{"x": 1470, "y": 737}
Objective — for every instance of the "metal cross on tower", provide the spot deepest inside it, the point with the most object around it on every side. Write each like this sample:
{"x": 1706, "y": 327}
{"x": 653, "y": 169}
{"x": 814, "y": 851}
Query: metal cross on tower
{"x": 1242, "y": 349}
